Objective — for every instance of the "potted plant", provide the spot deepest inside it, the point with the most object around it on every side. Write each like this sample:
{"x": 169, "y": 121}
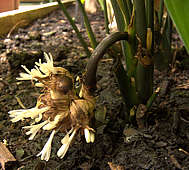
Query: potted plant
{"x": 8, "y": 5}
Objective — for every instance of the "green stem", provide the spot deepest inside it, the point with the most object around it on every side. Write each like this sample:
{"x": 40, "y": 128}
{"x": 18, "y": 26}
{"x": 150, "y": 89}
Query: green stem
{"x": 150, "y": 19}
{"x": 127, "y": 47}
{"x": 141, "y": 28}
{"x": 144, "y": 81}
{"x": 160, "y": 13}
{"x": 82, "y": 41}
{"x": 152, "y": 98}
{"x": 121, "y": 25}
{"x": 127, "y": 89}
{"x": 169, "y": 30}
{"x": 130, "y": 7}
{"x": 124, "y": 10}
{"x": 106, "y": 17}
{"x": 144, "y": 73}
{"x": 88, "y": 26}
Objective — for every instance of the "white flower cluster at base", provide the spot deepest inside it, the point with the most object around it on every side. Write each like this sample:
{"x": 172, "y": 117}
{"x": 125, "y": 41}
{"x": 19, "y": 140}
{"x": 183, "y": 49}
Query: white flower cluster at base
{"x": 44, "y": 70}
{"x": 41, "y": 70}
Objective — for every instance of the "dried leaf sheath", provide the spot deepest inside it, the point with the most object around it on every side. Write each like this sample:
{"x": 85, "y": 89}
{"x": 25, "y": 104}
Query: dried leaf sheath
{"x": 58, "y": 108}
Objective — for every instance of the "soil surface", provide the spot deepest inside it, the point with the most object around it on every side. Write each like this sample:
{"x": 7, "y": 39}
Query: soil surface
{"x": 162, "y": 144}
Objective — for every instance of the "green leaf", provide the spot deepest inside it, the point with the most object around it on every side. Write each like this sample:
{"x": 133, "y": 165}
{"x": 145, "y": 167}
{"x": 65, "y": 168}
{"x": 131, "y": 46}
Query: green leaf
{"x": 178, "y": 10}
{"x": 19, "y": 153}
{"x": 82, "y": 1}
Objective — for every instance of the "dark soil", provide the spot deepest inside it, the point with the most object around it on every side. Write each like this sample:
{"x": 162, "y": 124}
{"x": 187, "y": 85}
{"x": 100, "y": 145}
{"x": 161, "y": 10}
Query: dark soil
{"x": 162, "y": 144}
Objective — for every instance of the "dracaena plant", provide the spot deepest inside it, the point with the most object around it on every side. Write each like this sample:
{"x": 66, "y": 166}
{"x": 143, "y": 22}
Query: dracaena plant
{"x": 136, "y": 81}
{"x": 60, "y": 109}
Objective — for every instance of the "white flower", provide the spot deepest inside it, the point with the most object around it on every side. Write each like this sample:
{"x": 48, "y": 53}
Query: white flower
{"x": 34, "y": 129}
{"x": 41, "y": 70}
{"x": 46, "y": 151}
{"x": 30, "y": 75}
{"x": 47, "y": 68}
{"x": 33, "y": 113}
{"x": 89, "y": 136}
{"x": 66, "y": 143}
{"x": 52, "y": 124}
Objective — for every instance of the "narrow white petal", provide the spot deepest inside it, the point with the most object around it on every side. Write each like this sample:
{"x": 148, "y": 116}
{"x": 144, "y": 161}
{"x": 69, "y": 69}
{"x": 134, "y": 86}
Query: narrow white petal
{"x": 17, "y": 112}
{"x": 39, "y": 118}
{"x": 62, "y": 151}
{"x": 66, "y": 137}
{"x": 51, "y": 57}
{"x": 87, "y": 135}
{"x": 92, "y": 137}
{"x": 32, "y": 113}
{"x": 17, "y": 118}
{"x": 36, "y": 73}
{"x": 46, "y": 57}
{"x": 39, "y": 84}
{"x": 24, "y": 76}
{"x": 46, "y": 151}
{"x": 64, "y": 148}
{"x": 52, "y": 124}
{"x": 35, "y": 112}
{"x": 25, "y": 68}
{"x": 34, "y": 129}
{"x": 17, "y": 115}
{"x": 40, "y": 69}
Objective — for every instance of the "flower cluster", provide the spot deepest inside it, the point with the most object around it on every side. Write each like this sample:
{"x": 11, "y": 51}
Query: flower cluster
{"x": 58, "y": 108}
